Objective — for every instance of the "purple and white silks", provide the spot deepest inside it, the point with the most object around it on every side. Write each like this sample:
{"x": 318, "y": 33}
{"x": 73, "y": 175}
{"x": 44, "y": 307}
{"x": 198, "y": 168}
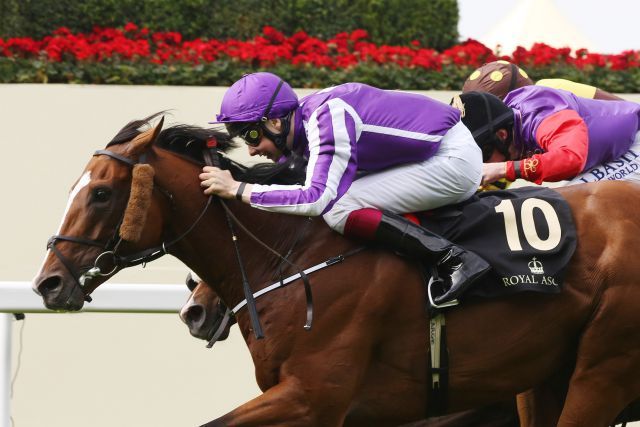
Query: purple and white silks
{"x": 354, "y": 127}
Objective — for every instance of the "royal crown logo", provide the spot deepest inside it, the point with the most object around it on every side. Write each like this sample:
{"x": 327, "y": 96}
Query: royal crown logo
{"x": 535, "y": 266}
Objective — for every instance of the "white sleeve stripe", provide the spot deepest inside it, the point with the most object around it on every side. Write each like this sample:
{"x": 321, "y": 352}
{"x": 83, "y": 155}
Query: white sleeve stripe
{"x": 402, "y": 133}
{"x": 339, "y": 163}
{"x": 259, "y": 188}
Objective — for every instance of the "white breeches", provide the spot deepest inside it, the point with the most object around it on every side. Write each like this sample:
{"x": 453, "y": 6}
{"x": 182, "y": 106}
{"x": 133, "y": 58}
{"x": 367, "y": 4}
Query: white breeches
{"x": 452, "y": 175}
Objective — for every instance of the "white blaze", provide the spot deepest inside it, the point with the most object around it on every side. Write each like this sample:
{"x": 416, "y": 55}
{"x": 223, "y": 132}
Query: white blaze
{"x": 185, "y": 308}
{"x": 84, "y": 180}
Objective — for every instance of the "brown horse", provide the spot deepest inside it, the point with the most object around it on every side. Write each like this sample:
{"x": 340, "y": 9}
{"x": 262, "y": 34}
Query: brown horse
{"x": 364, "y": 362}
{"x": 203, "y": 314}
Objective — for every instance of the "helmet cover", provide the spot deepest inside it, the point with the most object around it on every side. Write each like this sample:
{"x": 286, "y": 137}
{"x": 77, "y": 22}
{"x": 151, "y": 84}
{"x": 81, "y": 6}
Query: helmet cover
{"x": 498, "y": 78}
{"x": 253, "y": 96}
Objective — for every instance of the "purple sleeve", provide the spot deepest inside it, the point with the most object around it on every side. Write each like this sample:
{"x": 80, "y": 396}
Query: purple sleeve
{"x": 331, "y": 132}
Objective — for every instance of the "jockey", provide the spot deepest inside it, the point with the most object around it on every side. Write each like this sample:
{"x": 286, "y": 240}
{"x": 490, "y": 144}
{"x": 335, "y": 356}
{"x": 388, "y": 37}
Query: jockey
{"x": 501, "y": 77}
{"x": 542, "y": 134}
{"x": 418, "y": 152}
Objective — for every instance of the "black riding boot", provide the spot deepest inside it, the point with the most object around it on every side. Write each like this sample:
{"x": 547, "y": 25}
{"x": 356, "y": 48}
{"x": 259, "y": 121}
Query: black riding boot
{"x": 458, "y": 267}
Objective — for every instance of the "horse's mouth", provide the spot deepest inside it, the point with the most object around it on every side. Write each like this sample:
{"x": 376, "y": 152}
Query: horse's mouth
{"x": 208, "y": 333}
{"x": 203, "y": 334}
{"x": 59, "y": 294}
{"x": 214, "y": 329}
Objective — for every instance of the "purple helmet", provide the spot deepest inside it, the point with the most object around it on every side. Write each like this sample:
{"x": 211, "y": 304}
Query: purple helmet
{"x": 255, "y": 96}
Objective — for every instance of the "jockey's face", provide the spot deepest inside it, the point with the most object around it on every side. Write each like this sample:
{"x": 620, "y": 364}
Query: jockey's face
{"x": 497, "y": 156}
{"x": 266, "y": 147}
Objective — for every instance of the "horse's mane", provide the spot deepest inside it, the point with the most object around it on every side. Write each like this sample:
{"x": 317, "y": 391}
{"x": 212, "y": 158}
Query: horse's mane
{"x": 190, "y": 142}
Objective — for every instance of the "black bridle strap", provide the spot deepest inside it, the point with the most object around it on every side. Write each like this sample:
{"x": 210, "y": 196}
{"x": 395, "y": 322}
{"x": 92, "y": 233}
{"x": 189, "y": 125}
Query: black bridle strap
{"x": 211, "y": 158}
{"x": 69, "y": 268}
{"x": 156, "y": 252}
{"x": 303, "y": 276}
{"x": 246, "y": 287}
{"x": 74, "y": 239}
{"x": 116, "y": 156}
{"x": 226, "y": 318}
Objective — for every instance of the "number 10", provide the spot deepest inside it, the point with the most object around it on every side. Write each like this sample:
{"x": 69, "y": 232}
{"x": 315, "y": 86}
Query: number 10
{"x": 528, "y": 225}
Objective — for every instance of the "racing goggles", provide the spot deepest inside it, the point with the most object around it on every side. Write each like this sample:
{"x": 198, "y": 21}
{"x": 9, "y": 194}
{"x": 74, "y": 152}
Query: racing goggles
{"x": 250, "y": 133}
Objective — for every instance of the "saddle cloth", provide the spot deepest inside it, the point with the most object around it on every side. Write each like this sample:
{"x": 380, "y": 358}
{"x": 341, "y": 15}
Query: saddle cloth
{"x": 526, "y": 234}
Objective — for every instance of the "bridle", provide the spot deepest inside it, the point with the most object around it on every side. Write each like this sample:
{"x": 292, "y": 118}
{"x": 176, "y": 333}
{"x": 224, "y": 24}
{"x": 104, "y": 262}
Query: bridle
{"x": 118, "y": 262}
{"x": 108, "y": 262}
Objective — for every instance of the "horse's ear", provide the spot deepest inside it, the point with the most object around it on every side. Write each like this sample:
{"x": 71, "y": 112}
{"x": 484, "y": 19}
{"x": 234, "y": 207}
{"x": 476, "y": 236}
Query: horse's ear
{"x": 141, "y": 142}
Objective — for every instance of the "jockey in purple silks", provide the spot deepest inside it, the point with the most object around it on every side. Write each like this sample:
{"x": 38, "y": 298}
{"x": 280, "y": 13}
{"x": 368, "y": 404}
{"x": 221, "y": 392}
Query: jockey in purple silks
{"x": 416, "y": 153}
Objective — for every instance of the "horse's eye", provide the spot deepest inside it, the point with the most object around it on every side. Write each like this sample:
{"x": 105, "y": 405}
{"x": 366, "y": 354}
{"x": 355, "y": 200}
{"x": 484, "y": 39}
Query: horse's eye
{"x": 101, "y": 195}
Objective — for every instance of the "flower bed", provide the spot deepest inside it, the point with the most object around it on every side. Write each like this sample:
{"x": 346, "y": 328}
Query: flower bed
{"x": 133, "y": 55}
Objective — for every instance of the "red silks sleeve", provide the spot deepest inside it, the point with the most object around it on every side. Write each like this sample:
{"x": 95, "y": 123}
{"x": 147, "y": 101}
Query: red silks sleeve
{"x": 564, "y": 137}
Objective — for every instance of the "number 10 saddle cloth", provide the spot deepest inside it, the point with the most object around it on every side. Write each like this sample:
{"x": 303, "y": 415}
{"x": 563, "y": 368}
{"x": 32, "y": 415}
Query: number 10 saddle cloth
{"x": 526, "y": 234}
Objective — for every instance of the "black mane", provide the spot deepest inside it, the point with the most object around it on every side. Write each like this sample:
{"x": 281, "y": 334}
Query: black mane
{"x": 191, "y": 141}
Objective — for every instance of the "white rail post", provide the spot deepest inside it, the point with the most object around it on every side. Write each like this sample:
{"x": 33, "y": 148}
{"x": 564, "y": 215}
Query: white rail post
{"x": 17, "y": 297}
{"x": 5, "y": 372}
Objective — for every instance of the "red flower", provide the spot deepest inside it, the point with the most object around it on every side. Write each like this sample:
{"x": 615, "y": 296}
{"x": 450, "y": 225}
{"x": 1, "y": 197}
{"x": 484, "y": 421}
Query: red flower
{"x": 273, "y": 48}
{"x": 130, "y": 27}
{"x": 272, "y": 34}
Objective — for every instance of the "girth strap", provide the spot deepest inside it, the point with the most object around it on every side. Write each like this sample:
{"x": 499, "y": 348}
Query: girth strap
{"x": 438, "y": 352}
{"x": 439, "y": 363}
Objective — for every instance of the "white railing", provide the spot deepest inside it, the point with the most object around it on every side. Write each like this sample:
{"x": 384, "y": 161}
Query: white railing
{"x": 18, "y": 297}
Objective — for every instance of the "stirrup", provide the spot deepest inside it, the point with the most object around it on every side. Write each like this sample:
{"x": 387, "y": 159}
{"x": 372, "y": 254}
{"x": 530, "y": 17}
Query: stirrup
{"x": 433, "y": 304}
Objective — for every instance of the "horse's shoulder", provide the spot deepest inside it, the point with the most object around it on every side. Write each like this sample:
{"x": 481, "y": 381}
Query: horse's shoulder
{"x": 601, "y": 198}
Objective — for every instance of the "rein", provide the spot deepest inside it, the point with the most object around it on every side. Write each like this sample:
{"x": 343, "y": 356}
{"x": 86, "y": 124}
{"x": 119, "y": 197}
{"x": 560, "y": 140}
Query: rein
{"x": 211, "y": 157}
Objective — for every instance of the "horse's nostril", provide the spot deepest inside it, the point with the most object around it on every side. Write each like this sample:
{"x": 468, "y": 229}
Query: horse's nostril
{"x": 194, "y": 315}
{"x": 50, "y": 284}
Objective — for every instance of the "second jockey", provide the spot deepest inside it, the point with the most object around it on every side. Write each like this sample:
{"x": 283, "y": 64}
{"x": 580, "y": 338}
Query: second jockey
{"x": 542, "y": 134}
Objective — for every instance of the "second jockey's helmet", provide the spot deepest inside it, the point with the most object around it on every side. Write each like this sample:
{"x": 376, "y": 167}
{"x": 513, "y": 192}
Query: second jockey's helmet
{"x": 498, "y": 78}
{"x": 257, "y": 97}
{"x": 483, "y": 114}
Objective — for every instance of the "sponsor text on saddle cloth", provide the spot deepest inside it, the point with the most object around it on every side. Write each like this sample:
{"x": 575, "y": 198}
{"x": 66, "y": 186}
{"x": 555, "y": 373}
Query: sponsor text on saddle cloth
{"x": 626, "y": 167}
{"x": 526, "y": 234}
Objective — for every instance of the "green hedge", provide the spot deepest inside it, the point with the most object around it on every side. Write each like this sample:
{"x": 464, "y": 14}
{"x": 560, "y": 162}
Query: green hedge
{"x": 432, "y": 22}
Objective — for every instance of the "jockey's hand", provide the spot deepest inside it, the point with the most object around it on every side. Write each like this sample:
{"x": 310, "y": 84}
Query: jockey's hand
{"x": 219, "y": 182}
{"x": 492, "y": 172}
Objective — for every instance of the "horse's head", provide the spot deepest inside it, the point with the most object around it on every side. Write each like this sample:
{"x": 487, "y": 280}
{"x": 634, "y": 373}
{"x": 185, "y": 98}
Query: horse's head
{"x": 204, "y": 312}
{"x": 106, "y": 215}
{"x": 136, "y": 199}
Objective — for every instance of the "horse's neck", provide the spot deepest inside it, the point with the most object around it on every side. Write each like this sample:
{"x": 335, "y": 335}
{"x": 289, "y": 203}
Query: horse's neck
{"x": 209, "y": 248}
{"x": 285, "y": 235}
